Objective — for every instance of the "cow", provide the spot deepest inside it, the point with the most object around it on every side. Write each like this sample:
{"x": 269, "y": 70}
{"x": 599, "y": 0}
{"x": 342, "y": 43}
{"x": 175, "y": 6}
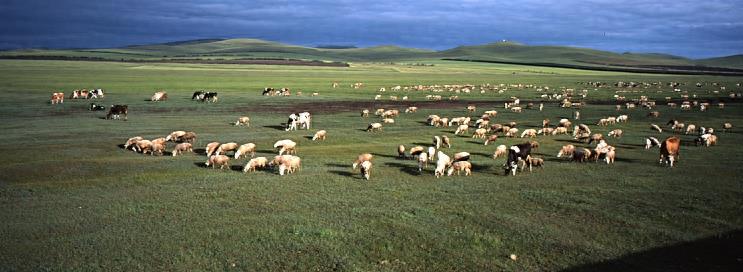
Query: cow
{"x": 516, "y": 153}
{"x": 198, "y": 95}
{"x": 268, "y": 91}
{"x": 209, "y": 97}
{"x": 96, "y": 107}
{"x": 95, "y": 93}
{"x": 669, "y": 150}
{"x": 115, "y": 110}
{"x": 159, "y": 96}
{"x": 57, "y": 98}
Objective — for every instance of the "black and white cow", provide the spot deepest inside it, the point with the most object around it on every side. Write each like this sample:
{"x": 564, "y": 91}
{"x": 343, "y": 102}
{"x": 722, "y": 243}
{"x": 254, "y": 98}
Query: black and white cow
{"x": 116, "y": 110}
{"x": 198, "y": 95}
{"x": 209, "y": 97}
{"x": 95, "y": 93}
{"x": 268, "y": 91}
{"x": 96, "y": 107}
{"x": 515, "y": 154}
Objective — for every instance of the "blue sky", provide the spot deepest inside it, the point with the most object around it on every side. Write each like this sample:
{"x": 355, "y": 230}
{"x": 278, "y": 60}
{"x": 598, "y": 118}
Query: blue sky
{"x": 688, "y": 28}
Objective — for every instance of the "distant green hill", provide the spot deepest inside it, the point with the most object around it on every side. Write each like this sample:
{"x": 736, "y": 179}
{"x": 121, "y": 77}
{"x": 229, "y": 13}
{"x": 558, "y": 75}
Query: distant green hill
{"x": 734, "y": 61}
{"x": 514, "y": 52}
{"x": 510, "y": 52}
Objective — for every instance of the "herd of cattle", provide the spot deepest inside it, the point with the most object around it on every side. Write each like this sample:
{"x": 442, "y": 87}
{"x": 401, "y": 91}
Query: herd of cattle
{"x": 518, "y": 156}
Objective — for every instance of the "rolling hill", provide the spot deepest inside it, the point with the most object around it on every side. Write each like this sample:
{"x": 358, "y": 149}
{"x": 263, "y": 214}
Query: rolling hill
{"x": 507, "y": 52}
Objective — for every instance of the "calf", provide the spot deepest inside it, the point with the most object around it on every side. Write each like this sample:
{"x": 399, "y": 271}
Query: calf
{"x": 117, "y": 110}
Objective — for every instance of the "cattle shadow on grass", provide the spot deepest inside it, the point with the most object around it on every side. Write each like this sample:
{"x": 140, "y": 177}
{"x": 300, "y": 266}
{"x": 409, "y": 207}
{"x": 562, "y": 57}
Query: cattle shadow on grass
{"x": 384, "y": 155}
{"x": 410, "y": 170}
{"x": 630, "y": 146}
{"x": 120, "y": 146}
{"x": 343, "y": 173}
{"x": 276, "y": 127}
{"x": 201, "y": 164}
{"x": 199, "y": 151}
{"x": 237, "y": 168}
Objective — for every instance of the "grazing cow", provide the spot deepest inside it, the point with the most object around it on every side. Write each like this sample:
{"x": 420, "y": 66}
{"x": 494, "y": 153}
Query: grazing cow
{"x": 243, "y": 121}
{"x": 706, "y": 139}
{"x": 96, "y": 107}
{"x": 95, "y": 93}
{"x": 57, "y": 98}
{"x": 269, "y": 91}
{"x": 516, "y": 153}
{"x": 210, "y": 97}
{"x": 198, "y": 95}
{"x": 654, "y": 114}
{"x": 159, "y": 96}
{"x": 116, "y": 110}
{"x": 669, "y": 150}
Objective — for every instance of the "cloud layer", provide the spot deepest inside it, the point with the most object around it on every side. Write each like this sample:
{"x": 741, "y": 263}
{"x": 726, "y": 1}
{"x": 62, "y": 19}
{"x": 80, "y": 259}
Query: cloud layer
{"x": 682, "y": 27}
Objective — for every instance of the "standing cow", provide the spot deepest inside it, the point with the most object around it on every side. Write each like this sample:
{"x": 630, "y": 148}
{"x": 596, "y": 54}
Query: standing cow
{"x": 516, "y": 153}
{"x": 669, "y": 150}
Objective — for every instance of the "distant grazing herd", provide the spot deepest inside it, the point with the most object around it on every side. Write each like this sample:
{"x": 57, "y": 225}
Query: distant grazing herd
{"x": 518, "y": 156}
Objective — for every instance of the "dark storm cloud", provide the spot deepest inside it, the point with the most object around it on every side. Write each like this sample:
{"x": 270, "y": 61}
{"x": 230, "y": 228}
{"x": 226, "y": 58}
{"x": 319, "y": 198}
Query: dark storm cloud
{"x": 689, "y": 28}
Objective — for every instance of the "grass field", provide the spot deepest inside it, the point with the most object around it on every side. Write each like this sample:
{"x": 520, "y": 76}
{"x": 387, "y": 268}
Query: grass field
{"x": 72, "y": 199}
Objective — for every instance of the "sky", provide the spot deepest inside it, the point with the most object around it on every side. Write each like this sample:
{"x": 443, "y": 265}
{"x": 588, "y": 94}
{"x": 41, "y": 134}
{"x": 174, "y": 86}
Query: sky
{"x": 690, "y": 28}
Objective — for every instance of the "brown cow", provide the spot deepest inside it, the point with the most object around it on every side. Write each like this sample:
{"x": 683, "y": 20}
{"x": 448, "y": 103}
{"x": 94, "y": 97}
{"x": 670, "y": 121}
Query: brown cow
{"x": 669, "y": 150}
{"x": 57, "y": 98}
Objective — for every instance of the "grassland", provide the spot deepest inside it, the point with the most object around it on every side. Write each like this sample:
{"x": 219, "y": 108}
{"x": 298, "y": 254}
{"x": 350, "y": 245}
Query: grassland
{"x": 72, "y": 199}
